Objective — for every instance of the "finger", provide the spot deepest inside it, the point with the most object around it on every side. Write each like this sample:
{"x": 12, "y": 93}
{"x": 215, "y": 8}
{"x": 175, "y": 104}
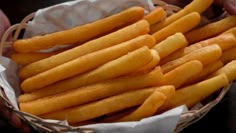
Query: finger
{"x": 230, "y": 6}
{"x": 15, "y": 120}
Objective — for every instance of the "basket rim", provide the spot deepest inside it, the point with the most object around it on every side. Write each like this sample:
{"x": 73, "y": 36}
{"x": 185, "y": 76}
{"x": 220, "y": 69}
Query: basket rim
{"x": 194, "y": 115}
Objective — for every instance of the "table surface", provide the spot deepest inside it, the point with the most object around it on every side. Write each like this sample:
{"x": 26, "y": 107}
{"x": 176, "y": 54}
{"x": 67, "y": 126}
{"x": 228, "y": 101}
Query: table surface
{"x": 222, "y": 118}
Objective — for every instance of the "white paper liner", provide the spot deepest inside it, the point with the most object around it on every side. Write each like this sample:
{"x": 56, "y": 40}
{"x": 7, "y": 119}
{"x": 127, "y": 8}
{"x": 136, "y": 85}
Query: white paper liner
{"x": 70, "y": 14}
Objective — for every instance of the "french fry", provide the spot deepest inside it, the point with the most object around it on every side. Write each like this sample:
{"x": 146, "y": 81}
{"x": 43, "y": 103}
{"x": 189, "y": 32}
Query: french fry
{"x": 80, "y": 33}
{"x": 231, "y": 30}
{"x": 180, "y": 53}
{"x": 151, "y": 104}
{"x": 195, "y": 93}
{"x": 211, "y": 29}
{"x": 101, "y": 107}
{"x": 195, "y": 6}
{"x": 27, "y": 58}
{"x": 229, "y": 70}
{"x": 107, "y": 71}
{"x": 228, "y": 55}
{"x": 92, "y": 61}
{"x": 225, "y": 42}
{"x": 155, "y": 15}
{"x": 205, "y": 55}
{"x": 89, "y": 93}
{"x": 168, "y": 91}
{"x": 147, "y": 109}
{"x": 187, "y": 70}
{"x": 170, "y": 44}
{"x": 122, "y": 35}
{"x": 117, "y": 115}
{"x": 152, "y": 64}
{"x": 183, "y": 25}
{"x": 206, "y": 71}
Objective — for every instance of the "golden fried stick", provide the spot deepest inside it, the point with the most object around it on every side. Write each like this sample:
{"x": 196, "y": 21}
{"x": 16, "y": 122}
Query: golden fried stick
{"x": 27, "y": 58}
{"x": 225, "y": 41}
{"x": 228, "y": 55}
{"x": 151, "y": 104}
{"x": 147, "y": 109}
{"x": 170, "y": 44}
{"x": 229, "y": 70}
{"x": 205, "y": 55}
{"x": 195, "y": 6}
{"x": 152, "y": 64}
{"x": 93, "y": 60}
{"x": 211, "y": 29}
{"x": 122, "y": 35}
{"x": 120, "y": 66}
{"x": 91, "y": 93}
{"x": 231, "y": 30}
{"x": 101, "y": 107}
{"x": 206, "y": 71}
{"x": 183, "y": 25}
{"x": 178, "y": 76}
{"x": 195, "y": 93}
{"x": 80, "y": 33}
{"x": 155, "y": 15}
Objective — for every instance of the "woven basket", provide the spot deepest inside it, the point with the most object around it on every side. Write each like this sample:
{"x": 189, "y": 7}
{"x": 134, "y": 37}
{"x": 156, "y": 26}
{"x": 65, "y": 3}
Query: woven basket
{"x": 186, "y": 119}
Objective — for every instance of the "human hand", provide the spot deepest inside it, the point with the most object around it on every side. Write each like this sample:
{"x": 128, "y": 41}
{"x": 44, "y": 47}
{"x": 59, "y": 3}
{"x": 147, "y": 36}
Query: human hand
{"x": 229, "y": 6}
{"x": 10, "y": 121}
{"x": 4, "y": 23}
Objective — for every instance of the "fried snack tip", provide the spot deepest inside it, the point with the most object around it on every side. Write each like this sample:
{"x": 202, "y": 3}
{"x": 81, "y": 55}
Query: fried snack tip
{"x": 191, "y": 95}
{"x": 147, "y": 109}
{"x": 173, "y": 77}
{"x": 155, "y": 16}
{"x": 205, "y": 55}
{"x": 195, "y": 6}
{"x": 27, "y": 58}
{"x": 228, "y": 55}
{"x": 182, "y": 25}
{"x": 211, "y": 29}
{"x": 229, "y": 70}
{"x": 170, "y": 44}
{"x": 151, "y": 104}
{"x": 225, "y": 41}
{"x": 152, "y": 64}
{"x": 206, "y": 71}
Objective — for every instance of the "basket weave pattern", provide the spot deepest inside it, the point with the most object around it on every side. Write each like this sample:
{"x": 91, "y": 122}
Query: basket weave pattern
{"x": 185, "y": 120}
